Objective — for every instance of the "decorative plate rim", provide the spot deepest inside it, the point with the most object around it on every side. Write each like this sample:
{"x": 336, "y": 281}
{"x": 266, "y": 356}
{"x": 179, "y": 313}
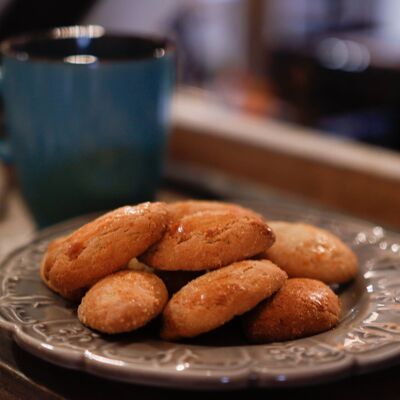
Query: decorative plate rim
{"x": 384, "y": 347}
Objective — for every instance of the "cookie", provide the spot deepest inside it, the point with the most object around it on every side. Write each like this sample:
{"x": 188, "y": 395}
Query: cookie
{"x": 306, "y": 251}
{"x": 208, "y": 235}
{"x": 48, "y": 259}
{"x": 216, "y": 297}
{"x": 302, "y": 307}
{"x": 74, "y": 295}
{"x": 123, "y": 302}
{"x": 180, "y": 209}
{"x": 104, "y": 246}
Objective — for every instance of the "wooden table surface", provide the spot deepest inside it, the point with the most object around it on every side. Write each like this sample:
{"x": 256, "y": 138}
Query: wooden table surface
{"x": 24, "y": 376}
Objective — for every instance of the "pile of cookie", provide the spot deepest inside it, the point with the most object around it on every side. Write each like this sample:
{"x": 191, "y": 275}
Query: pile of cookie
{"x": 200, "y": 264}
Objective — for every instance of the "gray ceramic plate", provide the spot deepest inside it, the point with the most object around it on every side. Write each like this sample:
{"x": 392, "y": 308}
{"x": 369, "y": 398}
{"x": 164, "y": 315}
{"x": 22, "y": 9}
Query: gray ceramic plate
{"x": 367, "y": 337}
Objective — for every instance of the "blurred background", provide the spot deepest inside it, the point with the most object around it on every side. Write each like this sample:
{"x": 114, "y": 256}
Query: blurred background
{"x": 327, "y": 64}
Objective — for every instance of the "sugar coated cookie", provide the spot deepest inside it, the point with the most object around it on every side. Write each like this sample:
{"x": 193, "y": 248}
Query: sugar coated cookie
{"x": 123, "y": 302}
{"x": 181, "y": 209}
{"x": 302, "y": 307}
{"x": 306, "y": 251}
{"x": 216, "y": 297}
{"x": 103, "y": 246}
{"x": 74, "y": 295}
{"x": 208, "y": 235}
{"x": 49, "y": 258}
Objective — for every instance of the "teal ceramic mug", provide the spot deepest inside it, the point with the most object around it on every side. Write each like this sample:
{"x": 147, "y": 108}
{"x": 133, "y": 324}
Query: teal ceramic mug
{"x": 86, "y": 118}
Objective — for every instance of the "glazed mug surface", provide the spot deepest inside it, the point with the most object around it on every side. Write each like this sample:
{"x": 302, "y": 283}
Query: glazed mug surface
{"x": 86, "y": 118}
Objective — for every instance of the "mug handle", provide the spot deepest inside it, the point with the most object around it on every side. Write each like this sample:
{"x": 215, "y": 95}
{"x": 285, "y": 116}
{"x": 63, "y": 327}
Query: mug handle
{"x": 5, "y": 148}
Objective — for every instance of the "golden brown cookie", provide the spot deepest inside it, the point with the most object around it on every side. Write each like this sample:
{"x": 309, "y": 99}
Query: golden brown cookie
{"x": 302, "y": 307}
{"x": 208, "y": 235}
{"x": 104, "y": 246}
{"x": 74, "y": 295}
{"x": 180, "y": 209}
{"x": 216, "y": 297}
{"x": 306, "y": 251}
{"x": 123, "y": 302}
{"x": 48, "y": 259}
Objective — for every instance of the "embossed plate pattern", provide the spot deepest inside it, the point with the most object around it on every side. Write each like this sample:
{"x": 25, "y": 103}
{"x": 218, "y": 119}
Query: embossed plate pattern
{"x": 367, "y": 337}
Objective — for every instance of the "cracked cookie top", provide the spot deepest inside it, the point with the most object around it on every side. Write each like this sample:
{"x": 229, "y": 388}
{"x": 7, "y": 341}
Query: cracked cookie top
{"x": 122, "y": 302}
{"x": 208, "y": 235}
{"x": 306, "y": 251}
{"x": 103, "y": 246}
{"x": 215, "y": 298}
{"x": 302, "y": 307}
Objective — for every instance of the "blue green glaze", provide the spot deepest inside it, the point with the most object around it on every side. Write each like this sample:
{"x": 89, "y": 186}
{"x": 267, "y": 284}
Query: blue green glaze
{"x": 86, "y": 137}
